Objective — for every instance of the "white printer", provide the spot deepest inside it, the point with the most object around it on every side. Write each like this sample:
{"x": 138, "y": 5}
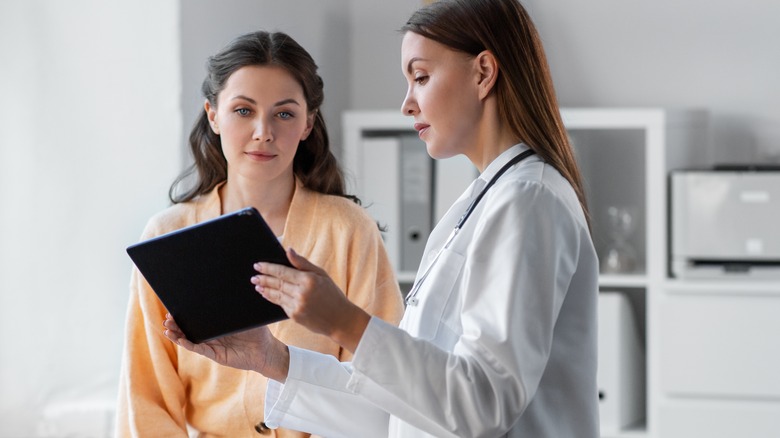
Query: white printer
{"x": 725, "y": 222}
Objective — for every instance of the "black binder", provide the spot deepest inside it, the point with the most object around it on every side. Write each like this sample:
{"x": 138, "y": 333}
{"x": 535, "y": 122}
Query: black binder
{"x": 201, "y": 273}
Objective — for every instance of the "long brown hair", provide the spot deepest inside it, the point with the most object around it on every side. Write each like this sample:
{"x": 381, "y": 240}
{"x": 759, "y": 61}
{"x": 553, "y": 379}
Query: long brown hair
{"x": 314, "y": 163}
{"x": 524, "y": 88}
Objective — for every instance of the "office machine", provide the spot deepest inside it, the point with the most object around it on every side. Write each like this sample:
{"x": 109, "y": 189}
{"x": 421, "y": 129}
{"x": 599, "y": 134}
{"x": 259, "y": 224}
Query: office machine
{"x": 725, "y": 222}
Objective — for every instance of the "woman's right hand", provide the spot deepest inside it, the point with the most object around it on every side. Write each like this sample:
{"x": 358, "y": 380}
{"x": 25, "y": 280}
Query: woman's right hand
{"x": 311, "y": 298}
{"x": 254, "y": 349}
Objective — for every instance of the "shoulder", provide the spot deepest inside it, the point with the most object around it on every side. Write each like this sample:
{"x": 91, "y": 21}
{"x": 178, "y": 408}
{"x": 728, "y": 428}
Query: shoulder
{"x": 538, "y": 188}
{"x": 175, "y": 217}
{"x": 340, "y": 211}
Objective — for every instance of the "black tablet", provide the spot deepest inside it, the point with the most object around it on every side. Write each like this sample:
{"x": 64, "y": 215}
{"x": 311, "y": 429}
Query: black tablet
{"x": 201, "y": 273}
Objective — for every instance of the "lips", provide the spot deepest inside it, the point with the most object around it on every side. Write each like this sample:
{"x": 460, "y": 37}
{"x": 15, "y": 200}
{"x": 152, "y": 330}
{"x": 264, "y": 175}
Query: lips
{"x": 260, "y": 156}
{"x": 421, "y": 128}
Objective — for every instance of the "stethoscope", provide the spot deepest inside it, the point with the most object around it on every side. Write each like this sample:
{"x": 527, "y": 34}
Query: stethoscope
{"x": 411, "y": 298}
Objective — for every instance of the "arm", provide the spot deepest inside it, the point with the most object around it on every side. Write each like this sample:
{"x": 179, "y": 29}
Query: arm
{"x": 360, "y": 264}
{"x": 516, "y": 275}
{"x": 518, "y": 268}
{"x": 151, "y": 395}
{"x": 370, "y": 286}
{"x": 371, "y": 283}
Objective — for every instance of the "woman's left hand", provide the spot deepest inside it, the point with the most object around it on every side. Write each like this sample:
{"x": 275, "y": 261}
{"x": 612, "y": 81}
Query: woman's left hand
{"x": 309, "y": 297}
{"x": 254, "y": 349}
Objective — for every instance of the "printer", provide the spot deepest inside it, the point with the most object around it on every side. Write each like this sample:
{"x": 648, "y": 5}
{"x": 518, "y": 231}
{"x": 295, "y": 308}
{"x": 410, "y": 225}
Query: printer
{"x": 725, "y": 222}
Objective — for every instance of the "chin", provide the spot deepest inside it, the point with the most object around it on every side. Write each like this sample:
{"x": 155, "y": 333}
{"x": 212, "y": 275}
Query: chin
{"x": 439, "y": 153}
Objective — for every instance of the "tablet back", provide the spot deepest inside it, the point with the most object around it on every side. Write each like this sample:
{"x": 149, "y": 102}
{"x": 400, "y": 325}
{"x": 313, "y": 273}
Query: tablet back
{"x": 201, "y": 273}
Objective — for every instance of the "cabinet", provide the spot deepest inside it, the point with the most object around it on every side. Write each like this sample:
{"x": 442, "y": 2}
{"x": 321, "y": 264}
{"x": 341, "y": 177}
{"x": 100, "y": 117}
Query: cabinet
{"x": 710, "y": 349}
{"x": 717, "y": 376}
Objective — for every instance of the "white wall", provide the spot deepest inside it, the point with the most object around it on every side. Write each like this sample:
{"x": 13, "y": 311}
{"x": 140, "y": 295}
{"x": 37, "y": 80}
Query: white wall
{"x": 89, "y": 129}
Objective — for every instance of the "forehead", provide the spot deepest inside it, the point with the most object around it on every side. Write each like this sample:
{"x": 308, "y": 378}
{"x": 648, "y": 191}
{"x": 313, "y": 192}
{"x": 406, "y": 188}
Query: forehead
{"x": 260, "y": 82}
{"x": 416, "y": 47}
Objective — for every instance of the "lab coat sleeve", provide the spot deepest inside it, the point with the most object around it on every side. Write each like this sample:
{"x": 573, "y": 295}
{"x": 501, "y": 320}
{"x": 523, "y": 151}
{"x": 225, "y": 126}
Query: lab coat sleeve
{"x": 518, "y": 268}
{"x": 315, "y": 399}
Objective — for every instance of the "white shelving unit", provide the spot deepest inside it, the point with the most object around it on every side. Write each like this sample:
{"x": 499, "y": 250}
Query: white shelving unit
{"x": 625, "y": 155}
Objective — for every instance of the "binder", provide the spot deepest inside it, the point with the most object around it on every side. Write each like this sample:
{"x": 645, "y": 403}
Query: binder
{"x": 621, "y": 371}
{"x": 381, "y": 189}
{"x": 407, "y": 192}
{"x": 452, "y": 177}
{"x": 416, "y": 177}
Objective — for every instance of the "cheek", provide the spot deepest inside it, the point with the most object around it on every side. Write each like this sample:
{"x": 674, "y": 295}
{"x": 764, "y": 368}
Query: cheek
{"x": 454, "y": 133}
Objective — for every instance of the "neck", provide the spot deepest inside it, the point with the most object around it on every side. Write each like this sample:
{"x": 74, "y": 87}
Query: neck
{"x": 493, "y": 137}
{"x": 272, "y": 199}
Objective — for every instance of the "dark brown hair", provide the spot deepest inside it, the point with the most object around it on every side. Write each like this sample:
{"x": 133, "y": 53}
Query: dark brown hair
{"x": 314, "y": 163}
{"x": 526, "y": 97}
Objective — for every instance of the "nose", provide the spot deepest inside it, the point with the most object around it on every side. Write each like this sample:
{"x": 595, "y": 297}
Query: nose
{"x": 409, "y": 105}
{"x": 263, "y": 131}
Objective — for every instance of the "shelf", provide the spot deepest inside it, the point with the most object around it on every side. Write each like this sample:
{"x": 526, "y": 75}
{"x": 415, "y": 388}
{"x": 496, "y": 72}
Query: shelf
{"x": 624, "y": 155}
{"x": 406, "y": 277}
{"x": 623, "y": 280}
{"x": 741, "y": 287}
{"x": 637, "y": 430}
{"x": 631, "y": 433}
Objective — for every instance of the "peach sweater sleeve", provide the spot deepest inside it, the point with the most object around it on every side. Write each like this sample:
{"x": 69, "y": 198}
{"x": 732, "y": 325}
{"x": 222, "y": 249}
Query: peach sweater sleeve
{"x": 151, "y": 394}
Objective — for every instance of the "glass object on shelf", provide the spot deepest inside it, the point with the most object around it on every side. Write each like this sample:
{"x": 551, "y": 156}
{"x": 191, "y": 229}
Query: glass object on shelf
{"x": 619, "y": 255}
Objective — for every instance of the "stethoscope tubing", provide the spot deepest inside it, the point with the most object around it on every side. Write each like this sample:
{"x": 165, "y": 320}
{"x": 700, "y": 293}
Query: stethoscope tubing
{"x": 411, "y": 297}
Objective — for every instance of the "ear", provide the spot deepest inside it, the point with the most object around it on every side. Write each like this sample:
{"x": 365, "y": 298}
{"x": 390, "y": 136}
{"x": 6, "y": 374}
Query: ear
{"x": 211, "y": 113}
{"x": 487, "y": 69}
{"x": 310, "y": 118}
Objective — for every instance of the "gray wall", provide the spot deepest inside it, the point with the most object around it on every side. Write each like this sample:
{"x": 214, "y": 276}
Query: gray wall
{"x": 713, "y": 54}
{"x": 321, "y": 27}
{"x": 718, "y": 55}
{"x": 355, "y": 43}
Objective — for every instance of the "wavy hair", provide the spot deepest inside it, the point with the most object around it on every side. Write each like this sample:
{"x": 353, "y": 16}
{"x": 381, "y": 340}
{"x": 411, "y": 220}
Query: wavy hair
{"x": 314, "y": 164}
{"x": 526, "y": 98}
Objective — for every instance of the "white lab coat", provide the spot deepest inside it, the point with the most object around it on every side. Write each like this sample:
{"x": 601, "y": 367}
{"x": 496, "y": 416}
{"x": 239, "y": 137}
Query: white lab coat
{"x": 501, "y": 344}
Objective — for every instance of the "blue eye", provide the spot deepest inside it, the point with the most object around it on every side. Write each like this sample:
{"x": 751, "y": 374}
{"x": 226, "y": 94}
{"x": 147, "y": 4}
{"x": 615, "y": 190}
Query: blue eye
{"x": 243, "y": 111}
{"x": 284, "y": 115}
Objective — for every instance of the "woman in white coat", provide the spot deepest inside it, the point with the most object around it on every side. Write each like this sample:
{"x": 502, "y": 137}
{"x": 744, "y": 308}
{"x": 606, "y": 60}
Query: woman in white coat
{"x": 499, "y": 333}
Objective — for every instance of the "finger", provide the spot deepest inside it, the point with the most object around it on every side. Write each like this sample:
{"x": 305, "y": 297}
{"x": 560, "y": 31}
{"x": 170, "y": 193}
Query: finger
{"x": 178, "y": 338}
{"x": 276, "y": 296}
{"x": 301, "y": 263}
{"x": 275, "y": 270}
{"x": 174, "y": 333}
{"x": 170, "y": 323}
{"x": 266, "y": 282}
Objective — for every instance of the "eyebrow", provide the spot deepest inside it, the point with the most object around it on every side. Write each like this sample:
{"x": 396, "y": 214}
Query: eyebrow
{"x": 412, "y": 61}
{"x": 280, "y": 103}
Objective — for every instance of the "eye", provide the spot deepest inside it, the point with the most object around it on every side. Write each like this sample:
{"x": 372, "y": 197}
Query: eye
{"x": 422, "y": 79}
{"x": 284, "y": 115}
{"x": 243, "y": 112}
